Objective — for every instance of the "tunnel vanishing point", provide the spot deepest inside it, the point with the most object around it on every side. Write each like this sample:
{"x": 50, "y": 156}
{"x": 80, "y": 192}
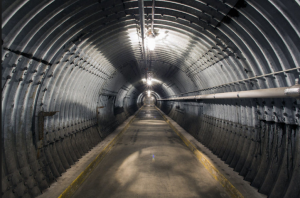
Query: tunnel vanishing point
{"x": 142, "y": 81}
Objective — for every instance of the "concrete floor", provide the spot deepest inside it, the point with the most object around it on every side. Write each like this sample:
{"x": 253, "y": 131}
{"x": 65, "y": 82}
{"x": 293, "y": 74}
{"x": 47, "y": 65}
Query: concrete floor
{"x": 150, "y": 160}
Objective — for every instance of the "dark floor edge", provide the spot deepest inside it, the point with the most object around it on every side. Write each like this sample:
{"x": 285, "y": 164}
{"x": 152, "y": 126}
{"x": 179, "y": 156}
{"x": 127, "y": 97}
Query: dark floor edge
{"x": 231, "y": 190}
{"x": 71, "y": 189}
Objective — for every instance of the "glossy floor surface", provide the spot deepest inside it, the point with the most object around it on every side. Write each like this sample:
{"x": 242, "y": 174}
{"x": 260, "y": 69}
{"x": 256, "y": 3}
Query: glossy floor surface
{"x": 150, "y": 160}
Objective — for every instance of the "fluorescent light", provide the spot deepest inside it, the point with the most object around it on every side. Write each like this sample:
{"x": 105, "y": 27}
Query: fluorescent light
{"x": 151, "y": 43}
{"x": 153, "y": 80}
{"x": 158, "y": 81}
{"x": 149, "y": 82}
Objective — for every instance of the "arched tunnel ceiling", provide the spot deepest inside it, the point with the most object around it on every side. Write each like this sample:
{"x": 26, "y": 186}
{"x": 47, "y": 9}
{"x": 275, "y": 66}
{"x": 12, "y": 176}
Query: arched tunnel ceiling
{"x": 199, "y": 44}
{"x": 73, "y": 70}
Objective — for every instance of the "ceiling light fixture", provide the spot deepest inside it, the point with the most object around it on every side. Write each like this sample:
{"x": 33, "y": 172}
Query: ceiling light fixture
{"x": 151, "y": 43}
{"x": 149, "y": 82}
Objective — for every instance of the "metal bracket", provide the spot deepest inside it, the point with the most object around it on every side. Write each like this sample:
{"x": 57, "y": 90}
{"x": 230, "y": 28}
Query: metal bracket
{"x": 41, "y": 118}
{"x": 97, "y": 109}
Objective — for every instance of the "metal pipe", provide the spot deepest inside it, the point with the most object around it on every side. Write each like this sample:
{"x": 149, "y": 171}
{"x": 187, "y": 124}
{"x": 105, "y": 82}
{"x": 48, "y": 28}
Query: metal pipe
{"x": 282, "y": 92}
{"x": 241, "y": 81}
{"x": 142, "y": 23}
{"x": 153, "y": 11}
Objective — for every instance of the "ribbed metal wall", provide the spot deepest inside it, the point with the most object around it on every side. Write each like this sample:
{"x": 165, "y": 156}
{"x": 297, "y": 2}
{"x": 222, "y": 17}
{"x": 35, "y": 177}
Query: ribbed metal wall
{"x": 75, "y": 56}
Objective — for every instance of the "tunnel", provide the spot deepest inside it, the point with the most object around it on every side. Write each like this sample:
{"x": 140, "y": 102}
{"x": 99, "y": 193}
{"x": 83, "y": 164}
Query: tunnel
{"x": 217, "y": 80}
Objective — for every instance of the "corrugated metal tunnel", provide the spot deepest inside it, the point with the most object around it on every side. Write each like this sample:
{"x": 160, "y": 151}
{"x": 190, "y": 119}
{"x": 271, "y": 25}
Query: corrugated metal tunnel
{"x": 73, "y": 71}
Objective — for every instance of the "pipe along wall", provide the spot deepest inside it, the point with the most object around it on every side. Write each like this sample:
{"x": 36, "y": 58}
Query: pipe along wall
{"x": 72, "y": 71}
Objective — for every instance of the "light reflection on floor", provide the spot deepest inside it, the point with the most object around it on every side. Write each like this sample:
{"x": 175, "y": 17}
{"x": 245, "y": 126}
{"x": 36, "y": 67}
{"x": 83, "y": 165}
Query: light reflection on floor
{"x": 150, "y": 160}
